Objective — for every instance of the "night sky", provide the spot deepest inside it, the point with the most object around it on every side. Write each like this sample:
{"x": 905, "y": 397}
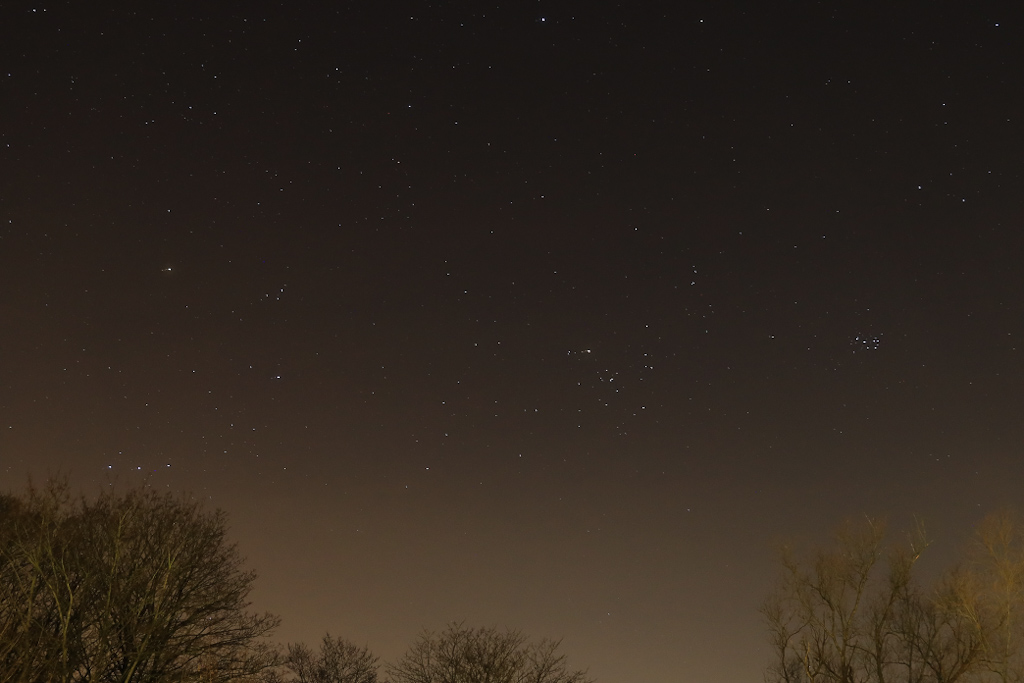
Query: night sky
{"x": 543, "y": 315}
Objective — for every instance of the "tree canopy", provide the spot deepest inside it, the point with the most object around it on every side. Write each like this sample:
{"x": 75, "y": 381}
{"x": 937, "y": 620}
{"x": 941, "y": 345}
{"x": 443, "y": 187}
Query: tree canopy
{"x": 338, "y": 661}
{"x": 460, "y": 654}
{"x": 857, "y": 612}
{"x": 133, "y": 587}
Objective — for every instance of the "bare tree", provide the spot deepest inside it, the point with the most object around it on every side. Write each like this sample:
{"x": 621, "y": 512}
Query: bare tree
{"x": 138, "y": 587}
{"x": 991, "y": 594}
{"x": 338, "y": 661}
{"x": 43, "y": 588}
{"x": 485, "y": 655}
{"x": 854, "y": 613}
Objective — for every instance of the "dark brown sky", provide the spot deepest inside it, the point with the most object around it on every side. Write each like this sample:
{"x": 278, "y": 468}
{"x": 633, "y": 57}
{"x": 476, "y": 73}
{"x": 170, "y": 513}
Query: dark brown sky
{"x": 542, "y": 315}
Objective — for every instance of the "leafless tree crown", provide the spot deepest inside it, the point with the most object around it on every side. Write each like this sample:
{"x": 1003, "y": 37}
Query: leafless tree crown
{"x": 483, "y": 655}
{"x": 139, "y": 587}
{"x": 855, "y": 612}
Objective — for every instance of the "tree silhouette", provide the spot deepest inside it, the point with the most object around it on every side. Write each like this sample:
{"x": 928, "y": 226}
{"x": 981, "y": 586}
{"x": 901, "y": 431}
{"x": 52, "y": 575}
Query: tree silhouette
{"x": 134, "y": 587}
{"x": 338, "y": 661}
{"x": 484, "y": 655}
